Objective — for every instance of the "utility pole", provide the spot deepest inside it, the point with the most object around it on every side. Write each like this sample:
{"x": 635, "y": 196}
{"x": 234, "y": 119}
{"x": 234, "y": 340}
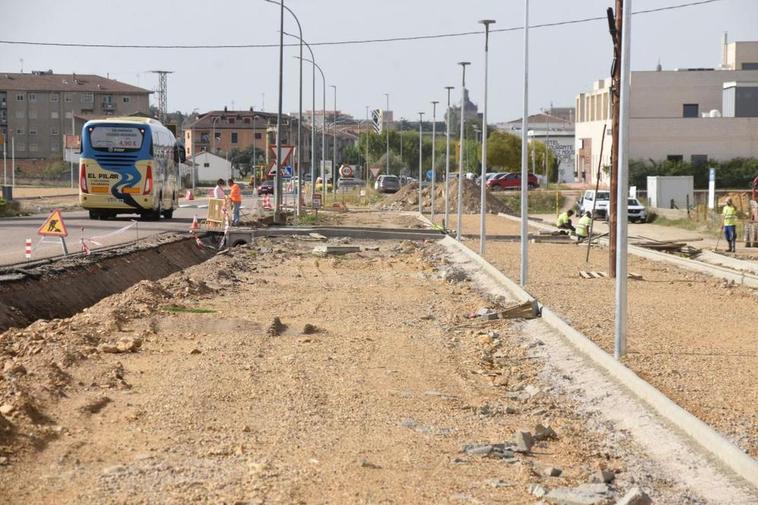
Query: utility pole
{"x": 278, "y": 216}
{"x": 615, "y": 25}
{"x": 420, "y": 161}
{"x": 162, "y": 93}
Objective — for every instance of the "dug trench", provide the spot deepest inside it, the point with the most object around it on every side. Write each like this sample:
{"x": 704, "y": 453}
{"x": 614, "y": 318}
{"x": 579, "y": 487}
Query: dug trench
{"x": 270, "y": 375}
{"x": 66, "y": 286}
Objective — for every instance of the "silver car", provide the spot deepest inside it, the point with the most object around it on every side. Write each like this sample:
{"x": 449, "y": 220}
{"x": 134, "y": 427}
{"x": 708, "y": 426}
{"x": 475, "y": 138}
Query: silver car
{"x": 387, "y": 184}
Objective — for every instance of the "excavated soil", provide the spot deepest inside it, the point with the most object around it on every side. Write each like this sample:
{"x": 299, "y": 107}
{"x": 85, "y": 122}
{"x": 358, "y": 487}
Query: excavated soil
{"x": 178, "y": 391}
{"x": 407, "y": 198}
{"x": 67, "y": 286}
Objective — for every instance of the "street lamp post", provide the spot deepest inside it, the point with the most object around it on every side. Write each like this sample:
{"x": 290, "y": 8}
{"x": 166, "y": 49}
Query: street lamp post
{"x": 213, "y": 131}
{"x": 524, "y": 153}
{"x": 434, "y": 137}
{"x": 323, "y": 126}
{"x": 446, "y": 222}
{"x": 334, "y": 145}
{"x": 277, "y": 178}
{"x": 420, "y": 160}
{"x": 386, "y": 131}
{"x": 463, "y": 65}
{"x": 482, "y": 179}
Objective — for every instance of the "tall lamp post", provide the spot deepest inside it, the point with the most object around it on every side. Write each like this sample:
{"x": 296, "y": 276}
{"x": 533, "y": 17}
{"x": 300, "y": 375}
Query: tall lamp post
{"x": 463, "y": 65}
{"x": 386, "y": 131}
{"x": 277, "y": 178}
{"x": 300, "y": 110}
{"x": 434, "y": 136}
{"x": 524, "y": 161}
{"x": 420, "y": 159}
{"x": 334, "y": 144}
{"x": 482, "y": 179}
{"x": 313, "y": 112}
{"x": 446, "y": 222}
{"x": 323, "y": 127}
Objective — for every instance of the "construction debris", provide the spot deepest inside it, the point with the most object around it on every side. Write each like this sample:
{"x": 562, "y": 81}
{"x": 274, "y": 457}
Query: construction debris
{"x": 671, "y": 247}
{"x": 526, "y": 310}
{"x": 325, "y": 250}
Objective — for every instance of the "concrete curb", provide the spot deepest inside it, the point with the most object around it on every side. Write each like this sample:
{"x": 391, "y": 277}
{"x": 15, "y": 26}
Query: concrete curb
{"x": 706, "y": 437}
{"x": 720, "y": 272}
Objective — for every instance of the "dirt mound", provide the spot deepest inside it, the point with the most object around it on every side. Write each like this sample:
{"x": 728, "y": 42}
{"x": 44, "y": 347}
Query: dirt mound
{"x": 407, "y": 199}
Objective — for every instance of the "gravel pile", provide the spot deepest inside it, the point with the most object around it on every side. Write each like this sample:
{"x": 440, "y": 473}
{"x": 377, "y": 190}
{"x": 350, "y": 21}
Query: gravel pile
{"x": 407, "y": 199}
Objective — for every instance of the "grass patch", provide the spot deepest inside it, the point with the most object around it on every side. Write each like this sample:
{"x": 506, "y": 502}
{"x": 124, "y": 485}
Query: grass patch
{"x": 708, "y": 227}
{"x": 539, "y": 202}
{"x": 307, "y": 219}
{"x": 192, "y": 310}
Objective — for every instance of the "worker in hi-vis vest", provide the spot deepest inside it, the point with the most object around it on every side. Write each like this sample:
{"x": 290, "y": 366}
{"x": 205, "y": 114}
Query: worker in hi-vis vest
{"x": 729, "y": 225}
{"x": 564, "y": 220}
{"x": 583, "y": 226}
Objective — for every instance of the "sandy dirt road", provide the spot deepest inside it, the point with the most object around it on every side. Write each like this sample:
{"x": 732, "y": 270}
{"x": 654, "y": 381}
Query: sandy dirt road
{"x": 214, "y": 407}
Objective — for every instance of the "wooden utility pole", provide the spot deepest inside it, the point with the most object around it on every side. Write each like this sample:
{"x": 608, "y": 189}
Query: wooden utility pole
{"x": 615, "y": 26}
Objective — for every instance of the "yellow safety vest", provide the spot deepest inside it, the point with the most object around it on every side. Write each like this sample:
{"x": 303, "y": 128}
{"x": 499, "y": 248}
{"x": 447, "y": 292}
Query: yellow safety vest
{"x": 730, "y": 215}
{"x": 583, "y": 226}
{"x": 563, "y": 219}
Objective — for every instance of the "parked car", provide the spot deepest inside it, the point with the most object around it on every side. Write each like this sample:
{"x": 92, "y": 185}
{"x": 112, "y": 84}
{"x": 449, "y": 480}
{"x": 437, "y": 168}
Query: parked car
{"x": 636, "y": 211}
{"x": 387, "y": 184}
{"x": 600, "y": 201}
{"x": 512, "y": 180}
{"x": 350, "y": 182}
{"x": 266, "y": 188}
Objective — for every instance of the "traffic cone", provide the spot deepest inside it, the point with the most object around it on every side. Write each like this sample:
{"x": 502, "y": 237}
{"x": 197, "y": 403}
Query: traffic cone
{"x": 189, "y": 195}
{"x": 195, "y": 226}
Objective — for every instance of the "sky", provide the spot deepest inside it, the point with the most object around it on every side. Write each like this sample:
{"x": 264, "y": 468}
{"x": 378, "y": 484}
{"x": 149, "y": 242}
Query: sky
{"x": 563, "y": 60}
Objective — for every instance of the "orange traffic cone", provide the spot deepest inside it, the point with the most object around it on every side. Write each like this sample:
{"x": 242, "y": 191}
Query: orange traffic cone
{"x": 195, "y": 226}
{"x": 189, "y": 195}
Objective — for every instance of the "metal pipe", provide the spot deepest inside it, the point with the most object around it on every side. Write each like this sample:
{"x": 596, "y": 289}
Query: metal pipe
{"x": 446, "y": 222}
{"x": 460, "y": 161}
{"x": 387, "y": 131}
{"x": 524, "y": 162}
{"x": 623, "y": 183}
{"x": 483, "y": 177}
{"x": 434, "y": 136}
{"x": 323, "y": 129}
{"x": 420, "y": 160}
{"x": 277, "y": 178}
{"x": 334, "y": 145}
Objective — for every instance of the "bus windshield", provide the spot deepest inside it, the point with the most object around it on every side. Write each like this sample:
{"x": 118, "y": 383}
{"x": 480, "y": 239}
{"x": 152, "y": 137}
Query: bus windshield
{"x": 117, "y": 139}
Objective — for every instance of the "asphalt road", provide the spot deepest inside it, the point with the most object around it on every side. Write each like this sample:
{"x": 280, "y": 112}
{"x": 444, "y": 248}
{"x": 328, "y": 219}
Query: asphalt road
{"x": 14, "y": 231}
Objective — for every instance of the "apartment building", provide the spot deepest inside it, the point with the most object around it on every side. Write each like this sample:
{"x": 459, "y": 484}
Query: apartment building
{"x": 689, "y": 114}
{"x": 36, "y": 109}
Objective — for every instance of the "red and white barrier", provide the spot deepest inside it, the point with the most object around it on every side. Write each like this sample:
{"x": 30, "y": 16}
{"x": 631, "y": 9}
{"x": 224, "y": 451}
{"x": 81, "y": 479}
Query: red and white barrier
{"x": 28, "y": 249}
{"x": 267, "y": 202}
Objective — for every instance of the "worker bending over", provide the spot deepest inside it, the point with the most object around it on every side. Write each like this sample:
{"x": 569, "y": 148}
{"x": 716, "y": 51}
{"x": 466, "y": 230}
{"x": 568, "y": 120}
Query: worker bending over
{"x": 564, "y": 221}
{"x": 583, "y": 226}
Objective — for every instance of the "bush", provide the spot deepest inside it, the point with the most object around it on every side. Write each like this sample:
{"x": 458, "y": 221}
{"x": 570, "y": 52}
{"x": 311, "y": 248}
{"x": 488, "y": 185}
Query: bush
{"x": 9, "y": 209}
{"x": 737, "y": 173}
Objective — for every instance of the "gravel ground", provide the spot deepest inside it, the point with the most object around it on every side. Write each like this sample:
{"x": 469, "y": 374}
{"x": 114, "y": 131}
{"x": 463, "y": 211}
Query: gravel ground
{"x": 372, "y": 404}
{"x": 690, "y": 335}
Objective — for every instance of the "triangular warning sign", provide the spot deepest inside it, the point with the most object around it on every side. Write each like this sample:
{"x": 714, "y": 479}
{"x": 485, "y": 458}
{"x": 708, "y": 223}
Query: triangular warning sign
{"x": 286, "y": 152}
{"x": 375, "y": 171}
{"x": 53, "y": 226}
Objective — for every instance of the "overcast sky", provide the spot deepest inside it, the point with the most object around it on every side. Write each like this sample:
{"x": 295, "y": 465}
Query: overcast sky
{"x": 564, "y": 60}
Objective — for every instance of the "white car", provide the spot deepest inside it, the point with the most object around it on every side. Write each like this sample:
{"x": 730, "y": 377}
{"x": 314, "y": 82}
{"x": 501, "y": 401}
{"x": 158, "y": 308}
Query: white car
{"x": 600, "y": 202}
{"x": 635, "y": 210}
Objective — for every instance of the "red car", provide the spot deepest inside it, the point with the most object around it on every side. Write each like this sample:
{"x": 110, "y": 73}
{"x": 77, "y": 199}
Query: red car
{"x": 512, "y": 180}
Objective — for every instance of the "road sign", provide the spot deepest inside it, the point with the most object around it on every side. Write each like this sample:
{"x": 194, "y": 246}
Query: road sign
{"x": 429, "y": 175}
{"x": 375, "y": 171}
{"x": 73, "y": 142}
{"x": 286, "y": 153}
{"x": 377, "y": 120}
{"x": 53, "y": 226}
{"x": 285, "y": 172}
{"x": 316, "y": 201}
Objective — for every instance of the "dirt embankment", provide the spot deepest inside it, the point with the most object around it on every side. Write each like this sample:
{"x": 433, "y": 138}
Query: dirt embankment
{"x": 63, "y": 288}
{"x": 268, "y": 375}
{"x": 407, "y": 198}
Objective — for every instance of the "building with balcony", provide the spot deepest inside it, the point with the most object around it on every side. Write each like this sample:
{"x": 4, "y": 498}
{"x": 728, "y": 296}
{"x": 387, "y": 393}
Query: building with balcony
{"x": 37, "y": 108}
{"x": 688, "y": 114}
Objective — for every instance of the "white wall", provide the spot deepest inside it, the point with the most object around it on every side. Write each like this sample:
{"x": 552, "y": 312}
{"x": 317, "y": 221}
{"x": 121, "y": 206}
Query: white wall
{"x": 218, "y": 167}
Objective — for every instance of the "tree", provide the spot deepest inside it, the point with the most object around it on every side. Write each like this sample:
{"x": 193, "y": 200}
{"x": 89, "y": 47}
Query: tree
{"x": 503, "y": 151}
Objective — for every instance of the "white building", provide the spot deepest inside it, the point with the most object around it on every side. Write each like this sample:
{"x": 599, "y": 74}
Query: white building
{"x": 209, "y": 167}
{"x": 691, "y": 114}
